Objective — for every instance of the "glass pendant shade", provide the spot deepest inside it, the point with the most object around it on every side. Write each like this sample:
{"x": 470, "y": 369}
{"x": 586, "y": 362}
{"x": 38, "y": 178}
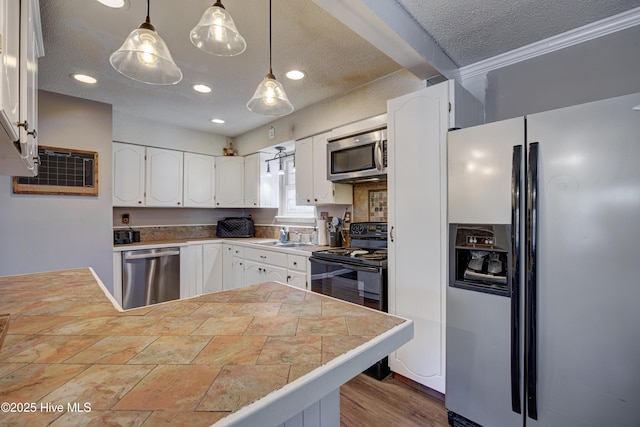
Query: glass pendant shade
{"x": 269, "y": 98}
{"x": 144, "y": 57}
{"x": 217, "y": 34}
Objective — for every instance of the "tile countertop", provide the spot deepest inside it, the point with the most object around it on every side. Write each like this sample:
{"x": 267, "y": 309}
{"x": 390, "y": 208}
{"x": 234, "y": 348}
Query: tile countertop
{"x": 245, "y": 241}
{"x": 189, "y": 362}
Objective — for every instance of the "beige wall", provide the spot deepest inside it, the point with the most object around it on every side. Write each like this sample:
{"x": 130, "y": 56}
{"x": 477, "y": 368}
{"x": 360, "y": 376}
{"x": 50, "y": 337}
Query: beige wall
{"x": 361, "y": 103}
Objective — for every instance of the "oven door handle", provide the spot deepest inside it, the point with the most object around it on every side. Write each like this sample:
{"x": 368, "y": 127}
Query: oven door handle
{"x": 344, "y": 265}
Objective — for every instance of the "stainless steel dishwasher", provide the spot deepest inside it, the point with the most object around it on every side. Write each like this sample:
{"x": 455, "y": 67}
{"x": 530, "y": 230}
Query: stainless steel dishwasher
{"x": 150, "y": 276}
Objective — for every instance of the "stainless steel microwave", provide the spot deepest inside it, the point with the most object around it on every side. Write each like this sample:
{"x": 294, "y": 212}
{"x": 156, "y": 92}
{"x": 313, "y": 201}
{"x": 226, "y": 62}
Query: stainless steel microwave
{"x": 361, "y": 157}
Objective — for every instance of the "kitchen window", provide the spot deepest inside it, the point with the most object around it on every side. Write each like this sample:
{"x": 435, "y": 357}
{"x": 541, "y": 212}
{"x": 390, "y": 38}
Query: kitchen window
{"x": 288, "y": 210}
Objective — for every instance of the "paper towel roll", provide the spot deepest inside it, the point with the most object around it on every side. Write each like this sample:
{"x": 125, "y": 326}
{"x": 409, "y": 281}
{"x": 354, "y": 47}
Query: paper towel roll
{"x": 323, "y": 240}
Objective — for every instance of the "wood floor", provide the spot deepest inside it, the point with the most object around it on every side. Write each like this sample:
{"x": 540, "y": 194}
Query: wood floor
{"x": 365, "y": 401}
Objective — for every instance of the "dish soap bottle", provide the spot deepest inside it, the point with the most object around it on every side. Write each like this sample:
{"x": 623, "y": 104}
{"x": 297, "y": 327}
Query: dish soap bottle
{"x": 283, "y": 235}
{"x": 314, "y": 236}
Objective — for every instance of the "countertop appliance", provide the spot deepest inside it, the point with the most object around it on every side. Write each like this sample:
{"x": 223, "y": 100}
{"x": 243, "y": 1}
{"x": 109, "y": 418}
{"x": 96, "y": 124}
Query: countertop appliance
{"x": 542, "y": 302}
{"x": 150, "y": 276}
{"x": 235, "y": 227}
{"x": 357, "y": 273}
{"x": 360, "y": 157}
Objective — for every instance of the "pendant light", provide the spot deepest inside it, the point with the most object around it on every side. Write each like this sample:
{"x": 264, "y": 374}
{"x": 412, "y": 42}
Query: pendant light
{"x": 144, "y": 57}
{"x": 269, "y": 98}
{"x": 217, "y": 34}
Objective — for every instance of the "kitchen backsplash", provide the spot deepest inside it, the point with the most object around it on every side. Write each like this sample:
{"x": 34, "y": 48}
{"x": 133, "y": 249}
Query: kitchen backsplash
{"x": 370, "y": 202}
{"x": 160, "y": 233}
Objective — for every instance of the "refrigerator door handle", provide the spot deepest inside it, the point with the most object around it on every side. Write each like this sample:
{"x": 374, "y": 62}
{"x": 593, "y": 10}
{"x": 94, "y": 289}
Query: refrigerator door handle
{"x": 516, "y": 185}
{"x": 531, "y": 365}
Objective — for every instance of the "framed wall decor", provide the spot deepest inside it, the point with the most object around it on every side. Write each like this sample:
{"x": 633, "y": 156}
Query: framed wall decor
{"x": 62, "y": 171}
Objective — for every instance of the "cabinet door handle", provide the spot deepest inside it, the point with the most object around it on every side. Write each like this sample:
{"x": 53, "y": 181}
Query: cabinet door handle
{"x": 288, "y": 278}
{"x": 263, "y": 257}
{"x": 391, "y": 234}
{"x": 33, "y": 133}
{"x": 295, "y": 263}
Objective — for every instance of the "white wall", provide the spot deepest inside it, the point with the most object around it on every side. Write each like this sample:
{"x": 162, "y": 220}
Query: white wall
{"x": 47, "y": 232}
{"x": 597, "y": 69}
{"x": 141, "y": 217}
{"x": 135, "y": 130}
{"x": 366, "y": 101}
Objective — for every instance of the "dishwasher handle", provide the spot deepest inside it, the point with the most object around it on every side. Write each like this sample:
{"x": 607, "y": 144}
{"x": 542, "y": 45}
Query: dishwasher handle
{"x": 147, "y": 255}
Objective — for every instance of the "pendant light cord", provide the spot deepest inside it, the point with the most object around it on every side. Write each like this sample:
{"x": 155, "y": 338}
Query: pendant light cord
{"x": 270, "y": 68}
{"x": 148, "y": 20}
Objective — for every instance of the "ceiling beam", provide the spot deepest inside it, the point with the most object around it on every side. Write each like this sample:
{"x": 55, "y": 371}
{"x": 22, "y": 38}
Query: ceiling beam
{"x": 388, "y": 27}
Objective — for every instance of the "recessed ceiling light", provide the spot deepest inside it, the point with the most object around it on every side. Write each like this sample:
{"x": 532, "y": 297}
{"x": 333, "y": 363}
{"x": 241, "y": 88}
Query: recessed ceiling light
{"x": 295, "y": 75}
{"x": 201, "y": 88}
{"x": 84, "y": 78}
{"x": 217, "y": 121}
{"x": 112, "y": 3}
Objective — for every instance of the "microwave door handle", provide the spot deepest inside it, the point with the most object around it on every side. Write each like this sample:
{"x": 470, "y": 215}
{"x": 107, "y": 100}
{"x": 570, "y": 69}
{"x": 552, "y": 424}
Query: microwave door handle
{"x": 378, "y": 155}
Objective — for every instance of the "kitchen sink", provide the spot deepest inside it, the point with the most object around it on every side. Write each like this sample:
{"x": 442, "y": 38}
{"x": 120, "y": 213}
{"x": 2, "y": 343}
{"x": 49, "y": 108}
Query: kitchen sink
{"x": 279, "y": 244}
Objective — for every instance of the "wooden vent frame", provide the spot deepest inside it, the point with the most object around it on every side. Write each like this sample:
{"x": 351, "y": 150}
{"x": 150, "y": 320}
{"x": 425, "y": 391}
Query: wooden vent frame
{"x": 87, "y": 186}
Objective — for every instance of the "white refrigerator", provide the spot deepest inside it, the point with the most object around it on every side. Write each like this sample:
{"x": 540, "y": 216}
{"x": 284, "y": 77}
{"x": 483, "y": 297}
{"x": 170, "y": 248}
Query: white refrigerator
{"x": 543, "y": 302}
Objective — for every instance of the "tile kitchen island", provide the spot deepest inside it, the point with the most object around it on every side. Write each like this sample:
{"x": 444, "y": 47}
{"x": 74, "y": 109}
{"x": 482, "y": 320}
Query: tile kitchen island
{"x": 255, "y": 356}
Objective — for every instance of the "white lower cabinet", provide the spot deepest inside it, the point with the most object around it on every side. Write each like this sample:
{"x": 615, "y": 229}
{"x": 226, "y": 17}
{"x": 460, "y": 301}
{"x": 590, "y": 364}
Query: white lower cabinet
{"x": 211, "y": 267}
{"x": 297, "y": 271}
{"x": 297, "y": 279}
{"x": 232, "y": 266}
{"x": 255, "y": 272}
{"x": 264, "y": 266}
{"x": 245, "y": 266}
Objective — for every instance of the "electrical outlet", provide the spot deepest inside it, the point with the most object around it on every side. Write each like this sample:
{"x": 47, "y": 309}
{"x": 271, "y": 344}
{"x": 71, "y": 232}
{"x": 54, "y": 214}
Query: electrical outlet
{"x": 125, "y": 218}
{"x": 272, "y": 132}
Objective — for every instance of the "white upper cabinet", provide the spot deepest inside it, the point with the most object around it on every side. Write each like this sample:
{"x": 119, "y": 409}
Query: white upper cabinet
{"x": 10, "y": 86}
{"x": 252, "y": 180}
{"x": 304, "y": 171}
{"x": 260, "y": 190}
{"x": 163, "y": 177}
{"x": 21, "y": 38}
{"x": 269, "y": 185}
{"x": 128, "y": 174}
{"x": 312, "y": 186}
{"x": 230, "y": 182}
{"x": 199, "y": 180}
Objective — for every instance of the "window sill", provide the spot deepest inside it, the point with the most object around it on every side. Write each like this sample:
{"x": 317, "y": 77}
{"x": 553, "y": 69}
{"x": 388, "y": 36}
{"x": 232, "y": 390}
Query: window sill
{"x": 295, "y": 220}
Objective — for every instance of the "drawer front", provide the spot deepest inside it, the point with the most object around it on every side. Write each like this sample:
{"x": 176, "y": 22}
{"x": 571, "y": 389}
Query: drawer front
{"x": 297, "y": 262}
{"x": 238, "y": 251}
{"x": 267, "y": 257}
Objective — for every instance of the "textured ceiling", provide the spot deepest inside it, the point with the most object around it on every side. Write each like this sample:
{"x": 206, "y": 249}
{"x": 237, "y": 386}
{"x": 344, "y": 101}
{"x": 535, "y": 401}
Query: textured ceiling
{"x": 79, "y": 36}
{"x": 470, "y": 31}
